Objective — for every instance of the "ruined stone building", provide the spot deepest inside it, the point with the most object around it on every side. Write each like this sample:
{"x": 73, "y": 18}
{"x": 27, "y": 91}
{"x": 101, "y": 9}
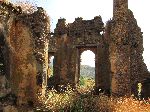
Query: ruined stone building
{"x": 26, "y": 45}
{"x": 118, "y": 49}
{"x": 71, "y": 41}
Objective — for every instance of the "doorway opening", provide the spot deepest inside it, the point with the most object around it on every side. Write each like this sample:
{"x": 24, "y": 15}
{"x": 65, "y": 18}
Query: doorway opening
{"x": 2, "y": 63}
{"x": 2, "y": 67}
{"x": 87, "y": 70}
{"x": 51, "y": 67}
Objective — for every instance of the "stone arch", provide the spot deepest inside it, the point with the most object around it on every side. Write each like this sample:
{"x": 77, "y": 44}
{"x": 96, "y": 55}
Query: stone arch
{"x": 93, "y": 49}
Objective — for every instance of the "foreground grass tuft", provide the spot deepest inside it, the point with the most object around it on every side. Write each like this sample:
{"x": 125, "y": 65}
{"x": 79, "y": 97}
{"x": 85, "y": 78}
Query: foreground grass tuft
{"x": 74, "y": 101}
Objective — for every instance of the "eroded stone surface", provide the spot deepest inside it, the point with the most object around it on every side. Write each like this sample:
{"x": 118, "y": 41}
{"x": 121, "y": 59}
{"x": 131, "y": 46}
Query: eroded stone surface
{"x": 25, "y": 51}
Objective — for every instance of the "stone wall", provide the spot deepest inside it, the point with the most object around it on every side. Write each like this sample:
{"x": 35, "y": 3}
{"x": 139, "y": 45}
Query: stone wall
{"x": 22, "y": 63}
{"x": 26, "y": 48}
{"x": 126, "y": 48}
{"x": 74, "y": 38}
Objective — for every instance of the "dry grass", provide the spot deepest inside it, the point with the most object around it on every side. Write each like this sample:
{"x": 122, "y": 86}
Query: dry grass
{"x": 84, "y": 101}
{"x": 70, "y": 101}
{"x": 56, "y": 101}
{"x": 130, "y": 105}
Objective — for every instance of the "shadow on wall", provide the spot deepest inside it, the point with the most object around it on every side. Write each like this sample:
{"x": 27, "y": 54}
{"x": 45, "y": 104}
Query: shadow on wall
{"x": 141, "y": 90}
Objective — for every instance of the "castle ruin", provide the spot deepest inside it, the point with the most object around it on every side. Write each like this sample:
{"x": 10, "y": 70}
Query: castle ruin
{"x": 26, "y": 45}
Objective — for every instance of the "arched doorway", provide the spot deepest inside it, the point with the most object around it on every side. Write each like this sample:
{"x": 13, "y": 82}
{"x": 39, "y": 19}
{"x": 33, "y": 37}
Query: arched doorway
{"x": 87, "y": 70}
{"x": 86, "y": 62}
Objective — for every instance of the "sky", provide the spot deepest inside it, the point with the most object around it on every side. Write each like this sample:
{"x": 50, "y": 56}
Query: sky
{"x": 71, "y": 9}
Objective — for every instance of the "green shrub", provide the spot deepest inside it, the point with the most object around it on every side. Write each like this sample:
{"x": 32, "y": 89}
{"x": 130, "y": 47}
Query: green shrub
{"x": 82, "y": 81}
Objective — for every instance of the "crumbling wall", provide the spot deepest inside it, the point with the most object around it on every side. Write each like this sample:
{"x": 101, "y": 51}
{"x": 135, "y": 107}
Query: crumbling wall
{"x": 61, "y": 60}
{"x": 139, "y": 71}
{"x": 120, "y": 60}
{"x": 65, "y": 61}
{"x": 26, "y": 43}
{"x": 22, "y": 62}
{"x": 65, "y": 56}
{"x": 119, "y": 48}
{"x": 72, "y": 39}
{"x": 126, "y": 48}
{"x": 103, "y": 66}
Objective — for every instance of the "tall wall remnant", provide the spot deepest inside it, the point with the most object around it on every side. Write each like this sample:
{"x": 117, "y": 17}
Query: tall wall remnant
{"x": 126, "y": 49}
{"x": 25, "y": 49}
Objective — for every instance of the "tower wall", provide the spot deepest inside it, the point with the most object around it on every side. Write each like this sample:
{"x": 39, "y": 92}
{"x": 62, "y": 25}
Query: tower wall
{"x": 119, "y": 5}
